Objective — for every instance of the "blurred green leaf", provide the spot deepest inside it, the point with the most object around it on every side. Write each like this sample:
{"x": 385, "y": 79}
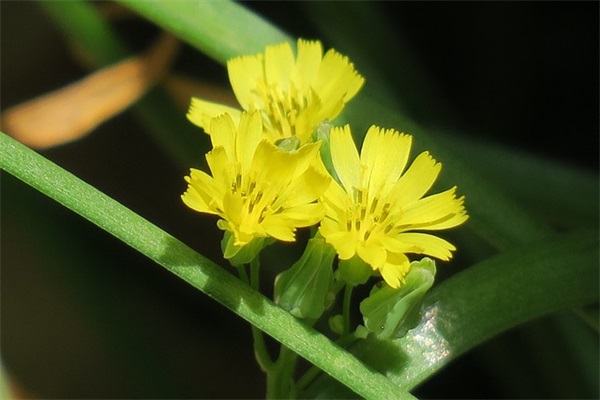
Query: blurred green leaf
{"x": 221, "y": 29}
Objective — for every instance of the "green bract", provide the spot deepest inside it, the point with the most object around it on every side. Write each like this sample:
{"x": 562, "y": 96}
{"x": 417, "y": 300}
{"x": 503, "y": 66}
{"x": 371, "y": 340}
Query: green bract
{"x": 239, "y": 255}
{"x": 390, "y": 313}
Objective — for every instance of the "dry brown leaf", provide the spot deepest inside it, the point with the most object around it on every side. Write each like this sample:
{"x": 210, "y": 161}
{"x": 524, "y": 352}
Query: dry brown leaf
{"x": 71, "y": 112}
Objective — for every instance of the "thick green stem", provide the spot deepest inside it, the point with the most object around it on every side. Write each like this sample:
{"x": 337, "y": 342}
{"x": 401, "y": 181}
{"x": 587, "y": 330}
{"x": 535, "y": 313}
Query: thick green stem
{"x": 346, "y": 309}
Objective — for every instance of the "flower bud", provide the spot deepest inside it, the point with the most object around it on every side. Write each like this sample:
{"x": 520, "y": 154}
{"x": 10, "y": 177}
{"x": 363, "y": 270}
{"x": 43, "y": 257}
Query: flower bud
{"x": 390, "y": 313}
{"x": 306, "y": 289}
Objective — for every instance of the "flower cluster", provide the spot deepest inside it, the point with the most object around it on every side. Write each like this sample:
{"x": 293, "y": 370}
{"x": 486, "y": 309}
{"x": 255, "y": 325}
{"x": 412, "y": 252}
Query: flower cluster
{"x": 268, "y": 177}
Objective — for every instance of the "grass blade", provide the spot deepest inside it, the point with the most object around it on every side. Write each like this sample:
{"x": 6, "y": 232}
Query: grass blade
{"x": 221, "y": 29}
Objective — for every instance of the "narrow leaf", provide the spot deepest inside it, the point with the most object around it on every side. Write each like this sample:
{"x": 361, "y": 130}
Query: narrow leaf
{"x": 221, "y": 29}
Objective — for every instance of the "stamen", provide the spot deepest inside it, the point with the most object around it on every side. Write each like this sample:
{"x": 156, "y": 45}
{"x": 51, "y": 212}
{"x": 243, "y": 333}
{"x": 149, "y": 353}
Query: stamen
{"x": 385, "y": 212}
{"x": 237, "y": 184}
{"x": 374, "y": 204}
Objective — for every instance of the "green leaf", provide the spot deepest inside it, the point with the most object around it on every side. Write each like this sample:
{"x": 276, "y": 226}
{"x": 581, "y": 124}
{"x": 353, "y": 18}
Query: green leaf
{"x": 192, "y": 267}
{"x": 221, "y": 29}
{"x": 389, "y": 312}
{"x": 483, "y": 301}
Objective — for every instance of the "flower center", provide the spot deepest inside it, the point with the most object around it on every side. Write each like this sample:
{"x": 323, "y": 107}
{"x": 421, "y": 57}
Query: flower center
{"x": 255, "y": 202}
{"x": 367, "y": 215}
{"x": 281, "y": 107}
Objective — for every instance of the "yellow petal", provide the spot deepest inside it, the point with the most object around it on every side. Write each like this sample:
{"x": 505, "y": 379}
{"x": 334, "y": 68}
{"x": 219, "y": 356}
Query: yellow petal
{"x": 384, "y": 153}
{"x": 438, "y": 211}
{"x": 428, "y": 244}
{"x": 223, "y": 133}
{"x": 273, "y": 165}
{"x": 244, "y": 74}
{"x": 308, "y": 61}
{"x": 232, "y": 205}
{"x": 345, "y": 157}
{"x": 200, "y": 191}
{"x": 221, "y": 166}
{"x": 336, "y": 80}
{"x": 417, "y": 180}
{"x": 342, "y": 241}
{"x": 394, "y": 245}
{"x": 279, "y": 63}
{"x": 373, "y": 255}
{"x": 201, "y": 112}
{"x": 247, "y": 138}
{"x": 277, "y": 227}
{"x": 305, "y": 215}
{"x": 395, "y": 269}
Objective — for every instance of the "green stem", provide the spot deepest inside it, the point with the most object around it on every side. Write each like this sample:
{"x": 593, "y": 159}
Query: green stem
{"x": 241, "y": 269}
{"x": 280, "y": 381}
{"x": 346, "y": 309}
{"x": 260, "y": 347}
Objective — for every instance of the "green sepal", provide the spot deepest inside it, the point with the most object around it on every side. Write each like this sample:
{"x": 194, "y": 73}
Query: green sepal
{"x": 321, "y": 134}
{"x": 354, "y": 271}
{"x": 239, "y": 255}
{"x": 306, "y": 289}
{"x": 390, "y": 313}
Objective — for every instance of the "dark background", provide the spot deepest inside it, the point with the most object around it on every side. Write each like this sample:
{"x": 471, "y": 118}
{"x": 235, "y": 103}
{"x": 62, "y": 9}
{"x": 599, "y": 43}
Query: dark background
{"x": 98, "y": 320}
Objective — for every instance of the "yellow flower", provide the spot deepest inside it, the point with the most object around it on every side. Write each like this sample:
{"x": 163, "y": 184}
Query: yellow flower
{"x": 293, "y": 94}
{"x": 376, "y": 208}
{"x": 257, "y": 189}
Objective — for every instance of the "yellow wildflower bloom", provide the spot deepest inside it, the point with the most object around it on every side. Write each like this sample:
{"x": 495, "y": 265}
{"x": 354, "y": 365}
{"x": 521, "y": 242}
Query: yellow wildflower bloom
{"x": 293, "y": 94}
{"x": 257, "y": 189}
{"x": 375, "y": 209}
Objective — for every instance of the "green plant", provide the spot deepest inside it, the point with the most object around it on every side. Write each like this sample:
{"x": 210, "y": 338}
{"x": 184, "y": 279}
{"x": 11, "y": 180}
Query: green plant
{"x": 523, "y": 269}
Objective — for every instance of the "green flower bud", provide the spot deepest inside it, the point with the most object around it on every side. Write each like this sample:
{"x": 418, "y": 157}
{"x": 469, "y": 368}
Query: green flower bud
{"x": 354, "y": 271}
{"x": 306, "y": 289}
{"x": 390, "y": 313}
{"x": 288, "y": 144}
{"x": 336, "y": 323}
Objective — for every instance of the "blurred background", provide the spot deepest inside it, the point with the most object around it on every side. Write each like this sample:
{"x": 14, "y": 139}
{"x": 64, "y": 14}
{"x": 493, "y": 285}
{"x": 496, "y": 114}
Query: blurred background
{"x": 84, "y": 316}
